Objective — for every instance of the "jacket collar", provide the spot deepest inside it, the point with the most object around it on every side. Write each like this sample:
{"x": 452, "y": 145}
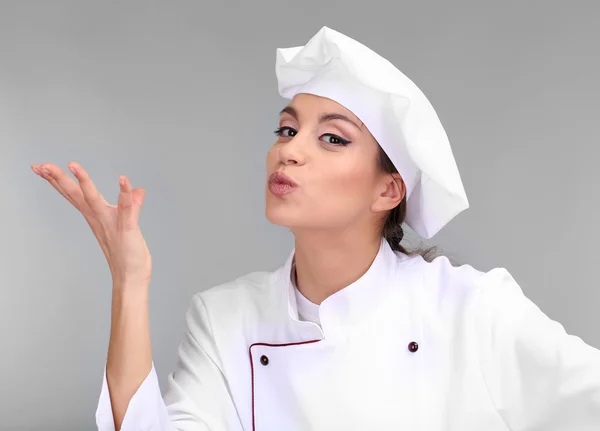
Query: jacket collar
{"x": 354, "y": 304}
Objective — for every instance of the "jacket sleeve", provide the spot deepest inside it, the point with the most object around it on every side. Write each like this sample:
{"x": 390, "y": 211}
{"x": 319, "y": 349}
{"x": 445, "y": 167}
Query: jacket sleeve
{"x": 539, "y": 377}
{"x": 196, "y": 398}
{"x": 146, "y": 410}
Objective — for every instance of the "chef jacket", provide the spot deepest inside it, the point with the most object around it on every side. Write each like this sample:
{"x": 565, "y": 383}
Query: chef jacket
{"x": 410, "y": 345}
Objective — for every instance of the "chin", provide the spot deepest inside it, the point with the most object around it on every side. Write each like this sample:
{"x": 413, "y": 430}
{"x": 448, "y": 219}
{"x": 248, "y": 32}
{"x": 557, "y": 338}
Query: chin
{"x": 281, "y": 216}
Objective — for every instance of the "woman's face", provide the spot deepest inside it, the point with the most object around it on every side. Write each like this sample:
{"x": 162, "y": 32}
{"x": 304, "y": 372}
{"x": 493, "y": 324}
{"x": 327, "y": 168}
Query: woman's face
{"x": 330, "y": 154}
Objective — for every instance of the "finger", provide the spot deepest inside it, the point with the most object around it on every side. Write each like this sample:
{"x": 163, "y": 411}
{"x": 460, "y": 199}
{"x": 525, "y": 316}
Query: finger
{"x": 61, "y": 182}
{"x": 57, "y": 186}
{"x": 75, "y": 196}
{"x": 90, "y": 194}
{"x": 125, "y": 212}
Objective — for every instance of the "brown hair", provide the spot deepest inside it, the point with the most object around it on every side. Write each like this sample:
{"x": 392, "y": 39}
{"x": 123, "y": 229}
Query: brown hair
{"x": 392, "y": 224}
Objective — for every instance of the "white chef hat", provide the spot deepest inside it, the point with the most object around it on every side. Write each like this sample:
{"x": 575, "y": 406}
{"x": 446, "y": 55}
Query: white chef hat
{"x": 395, "y": 111}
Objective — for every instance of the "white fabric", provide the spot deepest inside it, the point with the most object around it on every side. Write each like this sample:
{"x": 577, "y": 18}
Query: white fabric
{"x": 146, "y": 410}
{"x": 307, "y": 310}
{"x": 488, "y": 358}
{"x": 395, "y": 111}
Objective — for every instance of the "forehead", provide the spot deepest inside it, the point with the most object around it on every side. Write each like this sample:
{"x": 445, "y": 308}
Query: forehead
{"x": 309, "y": 104}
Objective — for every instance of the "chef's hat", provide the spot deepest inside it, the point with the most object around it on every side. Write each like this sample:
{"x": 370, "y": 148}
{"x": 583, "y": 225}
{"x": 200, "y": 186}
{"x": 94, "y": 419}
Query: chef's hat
{"x": 395, "y": 111}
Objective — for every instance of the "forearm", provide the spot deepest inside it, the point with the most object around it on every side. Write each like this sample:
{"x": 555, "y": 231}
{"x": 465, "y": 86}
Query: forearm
{"x": 129, "y": 352}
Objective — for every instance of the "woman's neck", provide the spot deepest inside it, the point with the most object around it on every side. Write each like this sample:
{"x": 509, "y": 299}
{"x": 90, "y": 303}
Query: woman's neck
{"x": 325, "y": 266}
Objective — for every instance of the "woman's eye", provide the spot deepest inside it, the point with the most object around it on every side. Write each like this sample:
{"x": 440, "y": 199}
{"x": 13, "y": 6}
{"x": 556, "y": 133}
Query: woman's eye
{"x": 335, "y": 140}
{"x": 279, "y": 132}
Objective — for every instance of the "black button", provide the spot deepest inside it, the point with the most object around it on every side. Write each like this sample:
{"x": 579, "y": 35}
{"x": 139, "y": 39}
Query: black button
{"x": 264, "y": 360}
{"x": 413, "y": 346}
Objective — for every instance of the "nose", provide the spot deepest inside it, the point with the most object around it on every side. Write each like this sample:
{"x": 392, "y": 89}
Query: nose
{"x": 293, "y": 152}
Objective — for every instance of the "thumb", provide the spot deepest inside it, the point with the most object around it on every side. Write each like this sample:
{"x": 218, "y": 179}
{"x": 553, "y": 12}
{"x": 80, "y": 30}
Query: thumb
{"x": 125, "y": 205}
{"x": 138, "y": 196}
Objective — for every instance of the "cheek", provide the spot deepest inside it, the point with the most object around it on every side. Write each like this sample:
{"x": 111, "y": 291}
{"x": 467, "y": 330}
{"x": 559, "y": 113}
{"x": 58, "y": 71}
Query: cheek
{"x": 347, "y": 180}
{"x": 343, "y": 188}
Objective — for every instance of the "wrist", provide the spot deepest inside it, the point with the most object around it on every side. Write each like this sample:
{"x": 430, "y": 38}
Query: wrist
{"x": 131, "y": 288}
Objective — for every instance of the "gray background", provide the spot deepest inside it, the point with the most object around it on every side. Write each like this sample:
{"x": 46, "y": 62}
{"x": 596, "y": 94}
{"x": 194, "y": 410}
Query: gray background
{"x": 182, "y": 97}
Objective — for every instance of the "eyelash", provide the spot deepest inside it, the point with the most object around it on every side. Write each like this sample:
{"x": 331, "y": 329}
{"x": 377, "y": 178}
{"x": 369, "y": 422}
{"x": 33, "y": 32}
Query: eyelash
{"x": 342, "y": 141}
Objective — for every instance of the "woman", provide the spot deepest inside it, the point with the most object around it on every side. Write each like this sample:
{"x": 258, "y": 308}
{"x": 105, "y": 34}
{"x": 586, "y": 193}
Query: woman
{"x": 352, "y": 332}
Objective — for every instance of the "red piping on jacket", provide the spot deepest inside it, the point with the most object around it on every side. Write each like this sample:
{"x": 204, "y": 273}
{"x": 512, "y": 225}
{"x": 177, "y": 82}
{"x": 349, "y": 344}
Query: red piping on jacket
{"x": 252, "y": 367}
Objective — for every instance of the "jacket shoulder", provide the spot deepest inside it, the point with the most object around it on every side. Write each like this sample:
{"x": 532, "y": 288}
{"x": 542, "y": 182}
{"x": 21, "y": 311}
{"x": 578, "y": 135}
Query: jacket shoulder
{"x": 251, "y": 288}
{"x": 451, "y": 282}
{"x": 463, "y": 283}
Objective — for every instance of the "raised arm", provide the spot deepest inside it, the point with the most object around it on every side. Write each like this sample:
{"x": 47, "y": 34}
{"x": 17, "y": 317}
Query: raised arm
{"x": 116, "y": 229}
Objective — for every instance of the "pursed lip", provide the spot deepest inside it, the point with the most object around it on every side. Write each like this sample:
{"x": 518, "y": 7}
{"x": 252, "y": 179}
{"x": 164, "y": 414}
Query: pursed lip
{"x": 280, "y": 177}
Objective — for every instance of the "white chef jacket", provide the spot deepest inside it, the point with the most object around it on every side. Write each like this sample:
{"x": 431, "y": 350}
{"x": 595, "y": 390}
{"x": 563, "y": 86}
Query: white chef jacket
{"x": 411, "y": 345}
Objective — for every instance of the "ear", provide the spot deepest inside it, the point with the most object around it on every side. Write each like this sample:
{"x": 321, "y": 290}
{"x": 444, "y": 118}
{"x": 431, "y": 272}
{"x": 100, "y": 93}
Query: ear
{"x": 392, "y": 194}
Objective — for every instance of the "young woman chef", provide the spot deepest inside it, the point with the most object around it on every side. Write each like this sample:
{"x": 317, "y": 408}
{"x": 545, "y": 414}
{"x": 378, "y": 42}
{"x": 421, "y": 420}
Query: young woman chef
{"x": 352, "y": 332}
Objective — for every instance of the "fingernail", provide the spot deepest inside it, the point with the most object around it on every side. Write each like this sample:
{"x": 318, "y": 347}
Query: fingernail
{"x": 46, "y": 171}
{"x": 72, "y": 169}
{"x": 35, "y": 169}
{"x": 122, "y": 180}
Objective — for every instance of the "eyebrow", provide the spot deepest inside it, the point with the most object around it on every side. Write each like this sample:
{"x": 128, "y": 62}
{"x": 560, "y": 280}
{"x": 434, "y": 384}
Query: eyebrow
{"x": 327, "y": 116}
